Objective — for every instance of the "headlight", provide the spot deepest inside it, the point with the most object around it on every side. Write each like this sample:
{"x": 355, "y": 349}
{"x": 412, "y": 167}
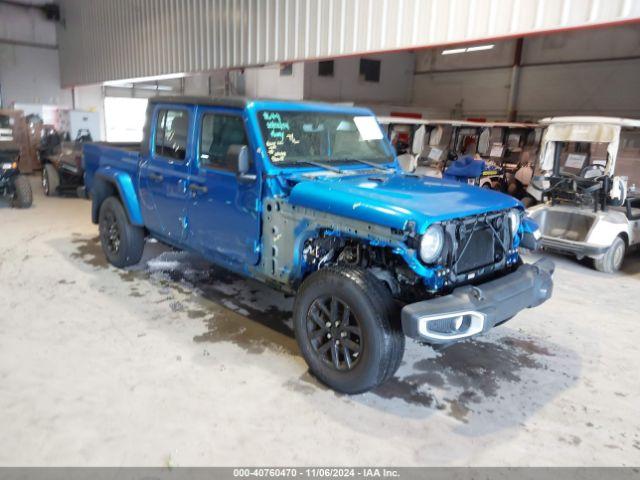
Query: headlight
{"x": 514, "y": 221}
{"x": 431, "y": 244}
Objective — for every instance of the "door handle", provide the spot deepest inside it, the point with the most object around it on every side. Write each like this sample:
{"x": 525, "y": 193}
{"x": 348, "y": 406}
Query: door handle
{"x": 156, "y": 177}
{"x": 194, "y": 187}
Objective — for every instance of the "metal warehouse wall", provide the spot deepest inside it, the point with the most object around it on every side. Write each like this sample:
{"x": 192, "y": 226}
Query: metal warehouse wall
{"x": 590, "y": 72}
{"x": 29, "y": 70}
{"x": 113, "y": 39}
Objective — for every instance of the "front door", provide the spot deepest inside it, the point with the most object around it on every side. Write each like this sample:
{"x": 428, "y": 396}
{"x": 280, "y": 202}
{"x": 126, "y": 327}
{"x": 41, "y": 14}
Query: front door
{"x": 164, "y": 174}
{"x": 224, "y": 212}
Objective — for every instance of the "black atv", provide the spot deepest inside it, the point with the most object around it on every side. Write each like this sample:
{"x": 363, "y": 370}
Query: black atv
{"x": 12, "y": 183}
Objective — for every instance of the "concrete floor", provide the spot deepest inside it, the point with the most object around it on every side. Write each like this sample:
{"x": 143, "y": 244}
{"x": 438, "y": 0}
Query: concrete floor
{"x": 177, "y": 363}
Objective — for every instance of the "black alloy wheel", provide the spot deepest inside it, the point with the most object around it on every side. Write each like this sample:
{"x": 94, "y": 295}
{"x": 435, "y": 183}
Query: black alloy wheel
{"x": 334, "y": 333}
{"x": 110, "y": 232}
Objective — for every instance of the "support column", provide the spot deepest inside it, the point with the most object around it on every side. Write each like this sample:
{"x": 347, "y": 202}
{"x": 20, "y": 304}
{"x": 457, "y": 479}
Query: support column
{"x": 514, "y": 86}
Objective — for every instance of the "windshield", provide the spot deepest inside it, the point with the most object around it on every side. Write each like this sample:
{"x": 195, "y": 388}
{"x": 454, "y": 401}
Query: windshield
{"x": 574, "y": 158}
{"x": 297, "y": 137}
{"x": 5, "y": 121}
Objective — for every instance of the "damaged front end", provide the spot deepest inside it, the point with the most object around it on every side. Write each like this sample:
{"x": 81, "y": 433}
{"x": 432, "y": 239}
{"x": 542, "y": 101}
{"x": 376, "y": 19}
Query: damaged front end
{"x": 450, "y": 273}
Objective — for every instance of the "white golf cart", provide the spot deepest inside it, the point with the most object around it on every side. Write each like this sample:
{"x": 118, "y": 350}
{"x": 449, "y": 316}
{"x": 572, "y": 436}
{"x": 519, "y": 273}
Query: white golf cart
{"x": 588, "y": 178}
{"x": 425, "y": 147}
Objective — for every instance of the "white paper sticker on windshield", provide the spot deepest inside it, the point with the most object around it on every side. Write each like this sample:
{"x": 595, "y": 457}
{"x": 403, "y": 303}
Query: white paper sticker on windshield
{"x": 575, "y": 160}
{"x": 496, "y": 150}
{"x": 435, "y": 153}
{"x": 368, "y": 128}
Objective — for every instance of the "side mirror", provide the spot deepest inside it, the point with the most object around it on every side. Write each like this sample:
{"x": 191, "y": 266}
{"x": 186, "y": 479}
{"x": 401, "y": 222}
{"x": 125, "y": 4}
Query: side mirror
{"x": 239, "y": 162}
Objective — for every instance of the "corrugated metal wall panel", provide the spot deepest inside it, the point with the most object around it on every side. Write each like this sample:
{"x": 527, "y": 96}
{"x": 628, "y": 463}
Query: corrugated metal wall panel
{"x": 114, "y": 39}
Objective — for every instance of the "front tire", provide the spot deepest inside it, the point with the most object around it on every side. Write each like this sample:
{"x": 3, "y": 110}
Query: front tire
{"x": 122, "y": 243}
{"x": 612, "y": 260}
{"x": 22, "y": 196}
{"x": 347, "y": 327}
{"x": 50, "y": 180}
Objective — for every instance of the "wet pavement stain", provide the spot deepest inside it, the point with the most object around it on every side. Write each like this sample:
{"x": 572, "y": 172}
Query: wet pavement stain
{"x": 89, "y": 251}
{"x": 476, "y": 365}
{"x": 265, "y": 325}
{"x": 478, "y": 369}
{"x": 305, "y": 386}
{"x": 572, "y": 440}
{"x": 191, "y": 313}
{"x": 406, "y": 389}
{"x": 252, "y": 337}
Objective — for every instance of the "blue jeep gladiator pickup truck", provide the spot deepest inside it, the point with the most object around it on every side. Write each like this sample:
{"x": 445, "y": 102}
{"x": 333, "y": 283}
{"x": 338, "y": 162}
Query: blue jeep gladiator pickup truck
{"x": 309, "y": 198}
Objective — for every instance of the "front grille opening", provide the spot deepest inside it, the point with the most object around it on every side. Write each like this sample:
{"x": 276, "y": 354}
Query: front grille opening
{"x": 476, "y": 250}
{"x": 478, "y": 242}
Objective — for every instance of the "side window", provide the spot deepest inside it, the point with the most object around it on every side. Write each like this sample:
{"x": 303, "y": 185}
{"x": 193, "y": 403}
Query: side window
{"x": 171, "y": 133}
{"x": 218, "y": 133}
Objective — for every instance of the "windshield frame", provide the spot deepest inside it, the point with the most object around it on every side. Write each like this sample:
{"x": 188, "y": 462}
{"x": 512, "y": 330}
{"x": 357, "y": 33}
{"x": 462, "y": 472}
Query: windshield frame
{"x": 320, "y": 109}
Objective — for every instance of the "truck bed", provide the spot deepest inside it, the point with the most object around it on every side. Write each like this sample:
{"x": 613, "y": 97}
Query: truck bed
{"x": 123, "y": 157}
{"x": 130, "y": 146}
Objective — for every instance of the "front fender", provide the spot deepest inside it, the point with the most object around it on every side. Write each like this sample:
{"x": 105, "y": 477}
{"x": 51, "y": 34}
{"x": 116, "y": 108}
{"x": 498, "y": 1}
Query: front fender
{"x": 529, "y": 235}
{"x": 123, "y": 183}
{"x": 607, "y": 226}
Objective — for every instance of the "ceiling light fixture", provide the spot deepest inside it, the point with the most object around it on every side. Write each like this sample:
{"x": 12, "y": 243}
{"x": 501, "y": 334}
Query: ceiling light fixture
{"x": 477, "y": 48}
{"x": 157, "y": 78}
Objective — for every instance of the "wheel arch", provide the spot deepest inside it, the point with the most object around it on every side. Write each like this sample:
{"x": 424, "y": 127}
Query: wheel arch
{"x": 112, "y": 183}
{"x": 625, "y": 237}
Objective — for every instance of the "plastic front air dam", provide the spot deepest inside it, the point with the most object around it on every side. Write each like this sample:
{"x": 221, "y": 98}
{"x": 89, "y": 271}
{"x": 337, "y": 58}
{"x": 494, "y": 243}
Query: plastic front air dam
{"x": 494, "y": 302}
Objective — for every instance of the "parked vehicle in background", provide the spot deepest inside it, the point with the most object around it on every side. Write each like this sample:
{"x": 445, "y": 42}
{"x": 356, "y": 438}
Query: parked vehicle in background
{"x": 6, "y": 130}
{"x": 588, "y": 178}
{"x": 22, "y": 139}
{"x": 12, "y": 183}
{"x": 430, "y": 146}
{"x": 62, "y": 169}
{"x": 309, "y": 198}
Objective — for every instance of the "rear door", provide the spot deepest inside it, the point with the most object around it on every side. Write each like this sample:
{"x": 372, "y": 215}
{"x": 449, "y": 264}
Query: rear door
{"x": 224, "y": 212}
{"x": 164, "y": 173}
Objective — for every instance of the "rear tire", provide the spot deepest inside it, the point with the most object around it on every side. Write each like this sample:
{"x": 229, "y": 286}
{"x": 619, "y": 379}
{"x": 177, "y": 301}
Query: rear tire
{"x": 22, "y": 196}
{"x": 122, "y": 243}
{"x": 612, "y": 260}
{"x": 369, "y": 335}
{"x": 50, "y": 180}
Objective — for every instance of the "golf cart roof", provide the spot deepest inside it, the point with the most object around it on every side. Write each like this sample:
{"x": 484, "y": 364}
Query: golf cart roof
{"x": 621, "y": 122}
{"x": 405, "y": 120}
{"x": 453, "y": 123}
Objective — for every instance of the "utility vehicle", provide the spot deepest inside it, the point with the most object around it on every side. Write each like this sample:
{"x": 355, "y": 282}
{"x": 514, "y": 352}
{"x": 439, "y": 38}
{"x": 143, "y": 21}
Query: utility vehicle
{"x": 588, "y": 178}
{"x": 309, "y": 198}
{"x": 12, "y": 183}
{"x": 62, "y": 169}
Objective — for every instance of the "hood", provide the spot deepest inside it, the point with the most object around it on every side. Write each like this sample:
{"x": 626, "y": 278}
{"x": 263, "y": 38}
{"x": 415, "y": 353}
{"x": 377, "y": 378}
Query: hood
{"x": 395, "y": 199}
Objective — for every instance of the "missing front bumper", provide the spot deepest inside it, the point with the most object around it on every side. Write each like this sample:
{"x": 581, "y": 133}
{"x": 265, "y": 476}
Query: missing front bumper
{"x": 472, "y": 310}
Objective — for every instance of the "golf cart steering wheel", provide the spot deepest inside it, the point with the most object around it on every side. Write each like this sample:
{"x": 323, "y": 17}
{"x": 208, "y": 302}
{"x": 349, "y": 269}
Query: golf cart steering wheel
{"x": 592, "y": 172}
